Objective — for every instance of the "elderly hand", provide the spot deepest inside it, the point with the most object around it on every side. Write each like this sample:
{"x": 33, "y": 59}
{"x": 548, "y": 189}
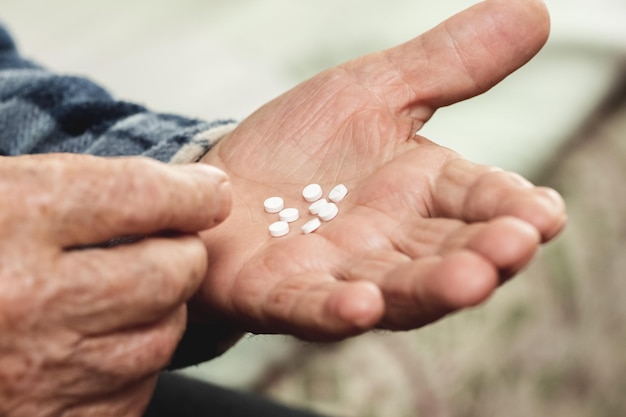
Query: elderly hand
{"x": 83, "y": 328}
{"x": 422, "y": 232}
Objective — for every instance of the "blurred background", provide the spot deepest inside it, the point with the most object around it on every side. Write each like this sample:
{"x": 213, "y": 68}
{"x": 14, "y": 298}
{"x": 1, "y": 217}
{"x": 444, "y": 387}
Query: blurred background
{"x": 552, "y": 342}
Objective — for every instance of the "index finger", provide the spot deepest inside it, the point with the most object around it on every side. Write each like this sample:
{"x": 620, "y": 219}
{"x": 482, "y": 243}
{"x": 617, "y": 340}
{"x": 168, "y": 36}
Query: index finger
{"x": 90, "y": 200}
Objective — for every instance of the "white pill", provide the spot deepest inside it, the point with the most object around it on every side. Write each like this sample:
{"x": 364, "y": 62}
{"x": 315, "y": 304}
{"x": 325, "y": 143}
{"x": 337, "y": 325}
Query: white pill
{"x": 289, "y": 215}
{"x": 312, "y": 192}
{"x": 278, "y": 229}
{"x": 315, "y": 207}
{"x": 338, "y": 193}
{"x": 311, "y": 226}
{"x": 273, "y": 204}
{"x": 328, "y": 212}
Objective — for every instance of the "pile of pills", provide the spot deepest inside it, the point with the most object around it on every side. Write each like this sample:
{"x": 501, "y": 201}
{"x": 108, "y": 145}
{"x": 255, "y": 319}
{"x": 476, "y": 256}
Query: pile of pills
{"x": 324, "y": 209}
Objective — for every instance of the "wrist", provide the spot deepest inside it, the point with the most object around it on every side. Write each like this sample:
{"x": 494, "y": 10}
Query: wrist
{"x": 201, "y": 143}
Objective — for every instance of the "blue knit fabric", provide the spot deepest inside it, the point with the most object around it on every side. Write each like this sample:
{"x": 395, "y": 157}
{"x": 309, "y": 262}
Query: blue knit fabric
{"x": 42, "y": 112}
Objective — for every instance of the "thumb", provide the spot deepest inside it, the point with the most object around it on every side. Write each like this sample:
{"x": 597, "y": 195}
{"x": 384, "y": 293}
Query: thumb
{"x": 467, "y": 54}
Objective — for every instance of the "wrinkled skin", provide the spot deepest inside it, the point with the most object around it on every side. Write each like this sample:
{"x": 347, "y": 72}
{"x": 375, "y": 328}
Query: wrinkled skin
{"x": 85, "y": 330}
{"x": 421, "y": 234}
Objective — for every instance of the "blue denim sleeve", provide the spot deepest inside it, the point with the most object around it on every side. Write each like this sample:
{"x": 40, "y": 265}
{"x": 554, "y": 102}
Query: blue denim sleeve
{"x": 43, "y": 112}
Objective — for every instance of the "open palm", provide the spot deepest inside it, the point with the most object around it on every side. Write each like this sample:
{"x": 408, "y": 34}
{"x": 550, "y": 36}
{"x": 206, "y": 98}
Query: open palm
{"x": 422, "y": 232}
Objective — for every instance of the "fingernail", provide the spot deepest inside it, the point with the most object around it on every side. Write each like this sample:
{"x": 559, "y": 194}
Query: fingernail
{"x": 219, "y": 181}
{"x": 555, "y": 205}
{"x": 363, "y": 308}
{"x": 225, "y": 201}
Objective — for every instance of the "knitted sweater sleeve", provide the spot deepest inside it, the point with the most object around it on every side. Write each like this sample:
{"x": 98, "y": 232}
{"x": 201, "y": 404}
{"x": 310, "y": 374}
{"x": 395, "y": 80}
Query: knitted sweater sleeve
{"x": 43, "y": 112}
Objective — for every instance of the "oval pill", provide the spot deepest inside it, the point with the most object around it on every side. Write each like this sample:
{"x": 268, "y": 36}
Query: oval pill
{"x": 312, "y": 192}
{"x": 274, "y": 204}
{"x": 311, "y": 226}
{"x": 278, "y": 229}
{"x": 328, "y": 212}
{"x": 338, "y": 193}
{"x": 289, "y": 215}
{"x": 316, "y": 206}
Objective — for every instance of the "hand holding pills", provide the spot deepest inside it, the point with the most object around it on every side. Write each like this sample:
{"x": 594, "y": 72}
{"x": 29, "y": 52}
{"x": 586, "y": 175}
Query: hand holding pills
{"x": 418, "y": 232}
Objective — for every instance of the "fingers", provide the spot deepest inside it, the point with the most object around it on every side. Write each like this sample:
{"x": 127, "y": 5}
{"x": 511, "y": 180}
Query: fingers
{"x": 404, "y": 290}
{"x": 473, "y": 50}
{"x": 462, "y": 269}
{"x": 79, "y": 200}
{"x": 143, "y": 197}
{"x": 471, "y": 192}
{"x": 128, "y": 285}
{"x": 319, "y": 308}
{"x": 507, "y": 243}
{"x": 422, "y": 291}
{"x": 134, "y": 354}
{"x": 460, "y": 58}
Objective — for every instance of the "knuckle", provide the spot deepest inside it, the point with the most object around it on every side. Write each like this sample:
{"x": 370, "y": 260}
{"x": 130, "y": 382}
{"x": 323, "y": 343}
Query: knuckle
{"x": 151, "y": 351}
{"x": 23, "y": 179}
{"x": 166, "y": 340}
{"x": 179, "y": 272}
{"x": 24, "y": 291}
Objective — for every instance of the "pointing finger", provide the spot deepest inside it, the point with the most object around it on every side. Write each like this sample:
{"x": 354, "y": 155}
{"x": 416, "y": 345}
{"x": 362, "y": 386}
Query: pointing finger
{"x": 78, "y": 200}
